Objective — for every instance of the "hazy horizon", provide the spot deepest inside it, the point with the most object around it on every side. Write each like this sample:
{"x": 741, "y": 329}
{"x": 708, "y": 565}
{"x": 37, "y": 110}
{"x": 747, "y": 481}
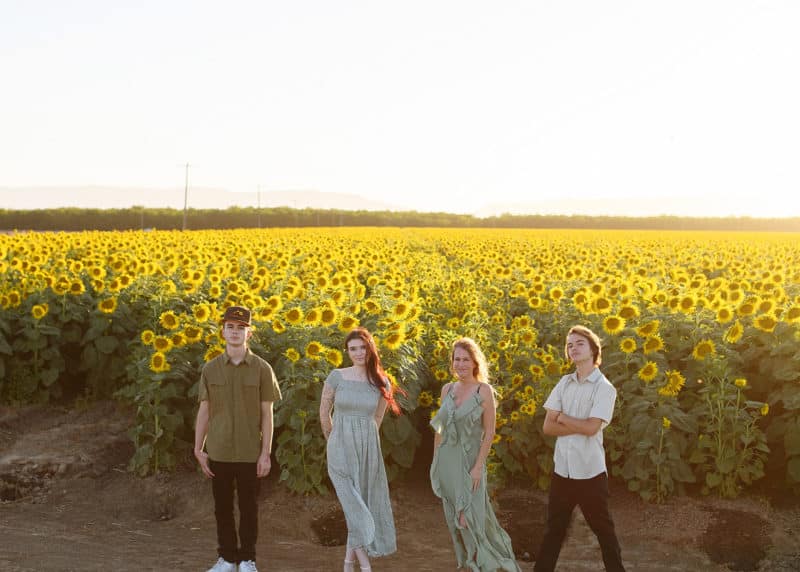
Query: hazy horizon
{"x": 34, "y": 198}
{"x": 616, "y": 108}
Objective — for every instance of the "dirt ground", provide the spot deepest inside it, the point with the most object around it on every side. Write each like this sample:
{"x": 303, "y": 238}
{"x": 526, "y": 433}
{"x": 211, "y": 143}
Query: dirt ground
{"x": 66, "y": 503}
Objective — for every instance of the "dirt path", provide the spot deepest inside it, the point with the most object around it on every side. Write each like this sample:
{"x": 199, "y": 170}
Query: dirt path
{"x": 85, "y": 513}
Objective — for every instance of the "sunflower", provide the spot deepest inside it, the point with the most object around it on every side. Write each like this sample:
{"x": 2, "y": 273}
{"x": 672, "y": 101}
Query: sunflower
{"x": 613, "y": 324}
{"x": 440, "y": 375}
{"x": 666, "y": 423}
{"x": 766, "y": 306}
{"x": 193, "y": 334}
{"x": 535, "y": 302}
{"x": 294, "y": 316}
{"x": 740, "y": 382}
{"x": 703, "y": 349}
{"x": 162, "y": 344}
{"x": 527, "y": 336}
{"x": 312, "y": 317}
{"x": 328, "y": 317}
{"x": 649, "y": 328}
{"x": 169, "y": 321}
{"x": 747, "y": 308}
{"x": 734, "y": 333}
{"x": 686, "y": 304}
{"x": 792, "y": 315}
{"x": 652, "y": 344}
{"x": 314, "y": 350}
{"x": 764, "y": 410}
{"x": 372, "y": 306}
{"x": 338, "y": 297}
{"x": 76, "y": 287}
{"x": 425, "y": 399}
{"x": 536, "y": 370}
{"x": 107, "y": 306}
{"x": 213, "y": 352}
{"x": 178, "y": 340}
{"x": 628, "y": 312}
{"x": 765, "y": 322}
{"x": 401, "y": 310}
{"x": 672, "y": 387}
{"x": 415, "y": 332}
{"x": 292, "y": 355}
{"x": 648, "y": 372}
{"x": 147, "y": 337}
{"x": 39, "y": 311}
{"x": 394, "y": 340}
{"x": 347, "y": 323}
{"x": 159, "y": 363}
{"x": 333, "y": 357}
{"x": 601, "y": 305}
{"x": 724, "y": 315}
{"x": 556, "y": 294}
{"x": 278, "y": 327}
{"x": 627, "y": 345}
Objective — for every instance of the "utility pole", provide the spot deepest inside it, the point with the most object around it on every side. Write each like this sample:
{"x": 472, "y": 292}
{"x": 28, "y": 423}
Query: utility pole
{"x": 185, "y": 197}
{"x": 259, "y": 206}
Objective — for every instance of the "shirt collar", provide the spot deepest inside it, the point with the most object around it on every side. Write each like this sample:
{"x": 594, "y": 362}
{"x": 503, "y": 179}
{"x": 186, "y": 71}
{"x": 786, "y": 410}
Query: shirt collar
{"x": 593, "y": 376}
{"x": 248, "y": 358}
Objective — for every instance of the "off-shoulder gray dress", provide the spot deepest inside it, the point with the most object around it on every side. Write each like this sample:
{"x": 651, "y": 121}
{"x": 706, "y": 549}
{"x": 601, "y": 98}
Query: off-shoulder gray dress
{"x": 355, "y": 466}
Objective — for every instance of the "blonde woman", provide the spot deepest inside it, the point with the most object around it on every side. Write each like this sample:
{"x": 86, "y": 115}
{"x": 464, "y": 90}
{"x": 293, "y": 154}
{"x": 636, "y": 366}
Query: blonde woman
{"x": 464, "y": 429}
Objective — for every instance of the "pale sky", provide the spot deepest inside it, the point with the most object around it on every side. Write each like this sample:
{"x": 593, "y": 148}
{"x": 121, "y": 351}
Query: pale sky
{"x": 636, "y": 107}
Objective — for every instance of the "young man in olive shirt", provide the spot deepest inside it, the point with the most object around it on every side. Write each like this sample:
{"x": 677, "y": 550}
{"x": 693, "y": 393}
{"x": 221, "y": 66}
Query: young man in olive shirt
{"x": 234, "y": 422}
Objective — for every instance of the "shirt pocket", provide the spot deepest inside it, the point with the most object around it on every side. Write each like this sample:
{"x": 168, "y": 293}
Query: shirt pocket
{"x": 217, "y": 399}
{"x": 251, "y": 398}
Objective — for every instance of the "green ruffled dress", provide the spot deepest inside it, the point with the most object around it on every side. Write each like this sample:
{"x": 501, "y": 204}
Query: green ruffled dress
{"x": 483, "y": 546}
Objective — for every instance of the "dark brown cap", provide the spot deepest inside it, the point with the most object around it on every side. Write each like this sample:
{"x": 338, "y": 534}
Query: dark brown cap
{"x": 237, "y": 314}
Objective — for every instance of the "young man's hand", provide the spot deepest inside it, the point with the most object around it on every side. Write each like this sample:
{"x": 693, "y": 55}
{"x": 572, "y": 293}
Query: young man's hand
{"x": 202, "y": 458}
{"x": 263, "y": 466}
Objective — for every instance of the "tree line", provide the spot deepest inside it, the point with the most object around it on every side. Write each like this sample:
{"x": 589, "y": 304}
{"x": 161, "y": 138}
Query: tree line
{"x": 133, "y": 218}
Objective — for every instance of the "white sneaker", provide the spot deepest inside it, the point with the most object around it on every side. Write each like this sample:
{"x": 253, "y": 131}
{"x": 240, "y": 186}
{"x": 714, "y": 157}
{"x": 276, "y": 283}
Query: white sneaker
{"x": 247, "y": 566}
{"x": 223, "y": 565}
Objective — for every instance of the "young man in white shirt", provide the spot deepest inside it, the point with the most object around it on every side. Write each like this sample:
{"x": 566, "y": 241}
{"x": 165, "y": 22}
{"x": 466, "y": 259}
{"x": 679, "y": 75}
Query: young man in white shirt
{"x": 578, "y": 409}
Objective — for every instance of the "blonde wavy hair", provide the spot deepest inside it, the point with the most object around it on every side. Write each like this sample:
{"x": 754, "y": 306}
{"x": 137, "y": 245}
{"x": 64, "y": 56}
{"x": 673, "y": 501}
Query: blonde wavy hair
{"x": 481, "y": 369}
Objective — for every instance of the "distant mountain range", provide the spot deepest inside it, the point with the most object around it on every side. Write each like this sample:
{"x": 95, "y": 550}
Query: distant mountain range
{"x": 25, "y": 198}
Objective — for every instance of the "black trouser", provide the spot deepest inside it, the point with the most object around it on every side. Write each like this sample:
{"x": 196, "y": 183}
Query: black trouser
{"x": 592, "y": 496}
{"x": 242, "y": 477}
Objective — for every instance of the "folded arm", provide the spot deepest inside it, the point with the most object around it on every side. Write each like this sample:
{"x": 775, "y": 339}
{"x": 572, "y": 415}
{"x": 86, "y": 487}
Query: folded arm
{"x": 559, "y": 424}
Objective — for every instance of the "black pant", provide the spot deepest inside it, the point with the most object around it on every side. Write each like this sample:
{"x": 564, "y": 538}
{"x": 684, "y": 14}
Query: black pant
{"x": 242, "y": 477}
{"x": 592, "y": 496}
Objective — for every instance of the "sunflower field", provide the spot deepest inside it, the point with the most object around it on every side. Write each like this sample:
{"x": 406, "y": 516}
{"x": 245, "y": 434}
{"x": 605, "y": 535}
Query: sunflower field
{"x": 701, "y": 337}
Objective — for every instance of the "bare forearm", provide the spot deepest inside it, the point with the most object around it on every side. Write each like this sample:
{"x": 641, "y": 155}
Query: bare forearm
{"x": 201, "y": 427}
{"x": 577, "y": 426}
{"x": 483, "y": 452}
{"x": 266, "y": 434}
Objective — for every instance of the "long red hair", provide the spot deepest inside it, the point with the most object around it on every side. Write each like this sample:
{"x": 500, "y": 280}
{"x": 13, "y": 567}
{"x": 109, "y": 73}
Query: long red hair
{"x": 375, "y": 373}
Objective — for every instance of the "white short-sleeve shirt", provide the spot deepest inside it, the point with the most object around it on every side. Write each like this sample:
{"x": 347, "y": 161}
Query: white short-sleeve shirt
{"x": 579, "y": 456}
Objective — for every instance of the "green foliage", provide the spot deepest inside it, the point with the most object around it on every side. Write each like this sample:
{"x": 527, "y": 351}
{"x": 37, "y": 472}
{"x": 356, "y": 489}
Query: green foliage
{"x": 731, "y": 449}
{"x": 77, "y": 219}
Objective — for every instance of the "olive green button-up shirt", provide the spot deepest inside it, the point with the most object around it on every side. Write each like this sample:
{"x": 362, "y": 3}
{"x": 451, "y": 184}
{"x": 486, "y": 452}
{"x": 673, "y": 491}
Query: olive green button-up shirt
{"x": 234, "y": 394}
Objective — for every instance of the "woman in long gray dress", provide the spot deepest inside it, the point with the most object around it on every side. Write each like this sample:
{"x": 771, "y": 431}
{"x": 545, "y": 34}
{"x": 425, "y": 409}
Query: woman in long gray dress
{"x": 465, "y": 426}
{"x": 359, "y": 396}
